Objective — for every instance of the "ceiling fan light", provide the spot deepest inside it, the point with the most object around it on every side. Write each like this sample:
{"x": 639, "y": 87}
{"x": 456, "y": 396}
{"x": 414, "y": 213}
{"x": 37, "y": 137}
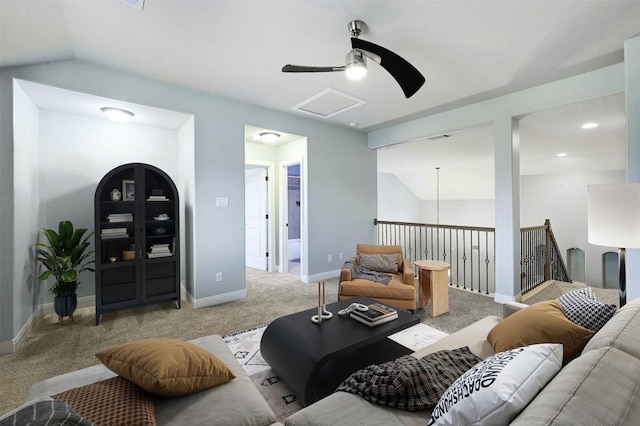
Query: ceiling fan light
{"x": 269, "y": 137}
{"x": 356, "y": 67}
{"x": 117, "y": 114}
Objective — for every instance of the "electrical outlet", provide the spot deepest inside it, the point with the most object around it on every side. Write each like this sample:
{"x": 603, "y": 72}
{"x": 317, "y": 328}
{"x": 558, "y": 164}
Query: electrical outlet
{"x": 222, "y": 202}
{"x": 341, "y": 256}
{"x": 218, "y": 276}
{"x": 329, "y": 258}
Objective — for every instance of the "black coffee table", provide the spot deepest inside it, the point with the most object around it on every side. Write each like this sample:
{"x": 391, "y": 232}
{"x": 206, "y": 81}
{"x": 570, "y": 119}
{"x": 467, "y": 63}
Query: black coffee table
{"x": 313, "y": 359}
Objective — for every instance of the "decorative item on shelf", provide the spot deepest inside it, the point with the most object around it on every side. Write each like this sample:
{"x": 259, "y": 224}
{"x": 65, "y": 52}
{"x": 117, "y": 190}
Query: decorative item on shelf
{"x": 113, "y": 259}
{"x": 128, "y": 189}
{"x": 115, "y": 195}
{"x": 128, "y": 254}
{"x": 162, "y": 216}
{"x": 66, "y": 255}
{"x": 160, "y": 230}
{"x": 322, "y": 306}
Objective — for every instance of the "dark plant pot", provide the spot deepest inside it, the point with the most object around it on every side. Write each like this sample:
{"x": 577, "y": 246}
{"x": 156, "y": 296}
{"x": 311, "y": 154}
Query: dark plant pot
{"x": 65, "y": 306}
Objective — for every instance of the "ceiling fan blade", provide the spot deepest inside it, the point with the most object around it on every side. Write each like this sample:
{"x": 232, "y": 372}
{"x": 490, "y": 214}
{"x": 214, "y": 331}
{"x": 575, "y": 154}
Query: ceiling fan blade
{"x": 407, "y": 76}
{"x": 303, "y": 68}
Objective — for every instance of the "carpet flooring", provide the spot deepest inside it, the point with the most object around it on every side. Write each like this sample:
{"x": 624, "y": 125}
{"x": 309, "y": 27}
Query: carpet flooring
{"x": 52, "y": 348}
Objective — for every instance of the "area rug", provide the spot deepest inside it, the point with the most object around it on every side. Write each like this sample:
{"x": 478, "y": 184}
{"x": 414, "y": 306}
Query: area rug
{"x": 245, "y": 345}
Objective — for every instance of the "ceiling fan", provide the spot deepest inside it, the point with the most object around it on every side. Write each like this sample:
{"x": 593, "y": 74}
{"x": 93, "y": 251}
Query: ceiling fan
{"x": 407, "y": 76}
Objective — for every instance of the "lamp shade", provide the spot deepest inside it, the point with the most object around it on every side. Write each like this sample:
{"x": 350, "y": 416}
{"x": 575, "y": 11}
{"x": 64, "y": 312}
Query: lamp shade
{"x": 613, "y": 215}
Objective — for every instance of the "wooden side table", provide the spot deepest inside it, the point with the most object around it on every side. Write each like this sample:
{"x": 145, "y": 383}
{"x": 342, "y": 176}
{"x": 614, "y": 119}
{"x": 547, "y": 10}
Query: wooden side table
{"x": 433, "y": 278}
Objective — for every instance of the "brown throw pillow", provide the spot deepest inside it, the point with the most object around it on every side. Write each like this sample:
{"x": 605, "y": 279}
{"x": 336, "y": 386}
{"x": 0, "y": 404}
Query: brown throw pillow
{"x": 111, "y": 402}
{"x": 166, "y": 367}
{"x": 542, "y": 322}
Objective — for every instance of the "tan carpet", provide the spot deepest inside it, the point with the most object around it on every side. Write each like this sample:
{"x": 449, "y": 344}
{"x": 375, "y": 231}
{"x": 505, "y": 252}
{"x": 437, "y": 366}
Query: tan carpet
{"x": 52, "y": 348}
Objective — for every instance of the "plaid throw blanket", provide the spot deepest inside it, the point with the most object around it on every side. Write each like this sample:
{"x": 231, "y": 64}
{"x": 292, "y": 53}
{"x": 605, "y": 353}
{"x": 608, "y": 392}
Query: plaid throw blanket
{"x": 408, "y": 383}
{"x": 358, "y": 272}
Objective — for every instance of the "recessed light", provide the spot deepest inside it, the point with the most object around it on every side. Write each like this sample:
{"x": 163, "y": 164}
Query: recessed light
{"x": 590, "y": 125}
{"x": 117, "y": 114}
{"x": 561, "y": 154}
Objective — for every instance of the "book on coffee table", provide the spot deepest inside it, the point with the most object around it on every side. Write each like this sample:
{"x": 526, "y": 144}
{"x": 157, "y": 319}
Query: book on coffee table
{"x": 376, "y": 322}
{"x": 377, "y": 313}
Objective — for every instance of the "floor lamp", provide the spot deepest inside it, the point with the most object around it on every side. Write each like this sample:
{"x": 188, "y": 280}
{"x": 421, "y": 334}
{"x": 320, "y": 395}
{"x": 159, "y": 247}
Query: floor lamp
{"x": 613, "y": 213}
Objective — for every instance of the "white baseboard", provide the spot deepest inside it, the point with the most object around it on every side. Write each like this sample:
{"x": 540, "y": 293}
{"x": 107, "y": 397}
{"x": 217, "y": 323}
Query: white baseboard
{"x": 11, "y": 346}
{"x": 503, "y": 298}
{"x": 322, "y": 276}
{"x": 217, "y": 299}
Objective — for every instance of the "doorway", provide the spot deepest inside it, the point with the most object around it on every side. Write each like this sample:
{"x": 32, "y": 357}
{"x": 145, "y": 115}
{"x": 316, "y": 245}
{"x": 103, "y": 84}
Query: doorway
{"x": 291, "y": 218}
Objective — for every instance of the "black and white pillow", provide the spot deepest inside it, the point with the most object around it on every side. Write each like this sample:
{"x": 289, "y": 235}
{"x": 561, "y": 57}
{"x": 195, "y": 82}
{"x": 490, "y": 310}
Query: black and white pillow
{"x": 494, "y": 391}
{"x": 581, "y": 307}
{"x": 408, "y": 383}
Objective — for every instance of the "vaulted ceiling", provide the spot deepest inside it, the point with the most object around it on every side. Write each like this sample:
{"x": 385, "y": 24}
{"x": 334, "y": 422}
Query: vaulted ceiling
{"x": 468, "y": 51}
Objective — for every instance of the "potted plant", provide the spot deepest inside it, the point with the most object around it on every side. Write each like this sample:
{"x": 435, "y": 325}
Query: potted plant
{"x": 65, "y": 255}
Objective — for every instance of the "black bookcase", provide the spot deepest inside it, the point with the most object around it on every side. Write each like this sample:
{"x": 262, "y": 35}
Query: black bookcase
{"x": 137, "y": 239}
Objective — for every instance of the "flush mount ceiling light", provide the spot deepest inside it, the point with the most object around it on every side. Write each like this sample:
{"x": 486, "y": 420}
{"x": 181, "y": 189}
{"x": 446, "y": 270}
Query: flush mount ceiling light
{"x": 117, "y": 114}
{"x": 269, "y": 137}
{"x": 561, "y": 154}
{"x": 589, "y": 125}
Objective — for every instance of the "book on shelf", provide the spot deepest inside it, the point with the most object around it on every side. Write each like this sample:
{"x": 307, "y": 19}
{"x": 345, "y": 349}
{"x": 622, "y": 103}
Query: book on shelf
{"x": 377, "y": 312}
{"x": 160, "y": 250}
{"x": 154, "y": 255}
{"x": 118, "y": 219}
{"x": 373, "y": 323}
{"x": 110, "y": 233}
{"x": 157, "y": 198}
{"x": 114, "y": 236}
{"x": 114, "y": 231}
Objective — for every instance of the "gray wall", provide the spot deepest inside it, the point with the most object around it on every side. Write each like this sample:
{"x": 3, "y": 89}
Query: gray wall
{"x": 341, "y": 181}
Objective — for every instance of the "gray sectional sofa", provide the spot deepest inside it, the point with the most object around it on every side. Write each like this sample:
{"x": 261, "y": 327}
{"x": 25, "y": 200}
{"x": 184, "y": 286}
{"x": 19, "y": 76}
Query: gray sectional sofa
{"x": 600, "y": 387}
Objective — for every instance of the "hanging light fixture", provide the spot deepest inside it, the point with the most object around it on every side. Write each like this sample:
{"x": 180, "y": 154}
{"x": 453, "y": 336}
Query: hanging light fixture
{"x": 117, "y": 114}
{"x": 269, "y": 137}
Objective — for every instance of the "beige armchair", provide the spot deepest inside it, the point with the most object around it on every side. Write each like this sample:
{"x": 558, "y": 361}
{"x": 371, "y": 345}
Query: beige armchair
{"x": 399, "y": 291}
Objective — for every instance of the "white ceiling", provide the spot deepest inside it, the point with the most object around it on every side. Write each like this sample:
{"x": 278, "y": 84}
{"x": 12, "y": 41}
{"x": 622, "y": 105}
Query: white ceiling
{"x": 467, "y": 50}
{"x": 466, "y": 158}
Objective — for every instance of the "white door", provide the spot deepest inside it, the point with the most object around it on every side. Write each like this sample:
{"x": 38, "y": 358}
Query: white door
{"x": 256, "y": 218}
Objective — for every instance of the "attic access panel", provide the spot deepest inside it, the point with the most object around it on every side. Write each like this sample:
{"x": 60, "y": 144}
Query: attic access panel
{"x": 328, "y": 103}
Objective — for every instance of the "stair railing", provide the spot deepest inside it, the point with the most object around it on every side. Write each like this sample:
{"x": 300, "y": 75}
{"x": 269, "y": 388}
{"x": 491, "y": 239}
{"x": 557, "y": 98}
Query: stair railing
{"x": 470, "y": 250}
